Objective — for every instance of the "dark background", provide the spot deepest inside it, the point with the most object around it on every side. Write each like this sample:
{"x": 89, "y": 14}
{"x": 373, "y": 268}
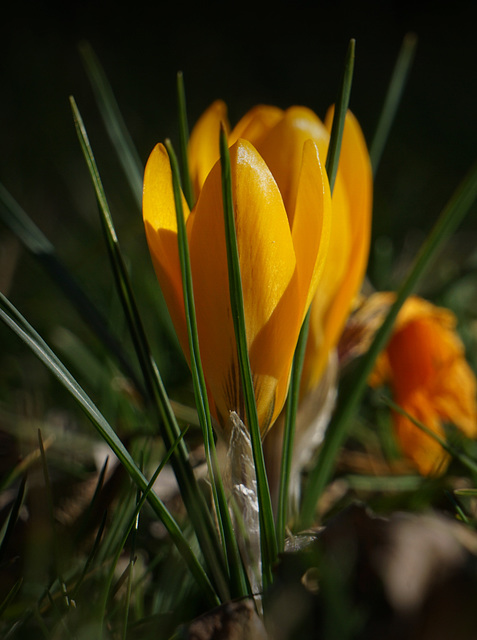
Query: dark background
{"x": 245, "y": 53}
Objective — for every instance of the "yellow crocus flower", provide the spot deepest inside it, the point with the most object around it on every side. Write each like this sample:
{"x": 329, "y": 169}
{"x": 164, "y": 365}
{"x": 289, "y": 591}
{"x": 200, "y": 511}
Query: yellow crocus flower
{"x": 279, "y": 136}
{"x": 282, "y": 249}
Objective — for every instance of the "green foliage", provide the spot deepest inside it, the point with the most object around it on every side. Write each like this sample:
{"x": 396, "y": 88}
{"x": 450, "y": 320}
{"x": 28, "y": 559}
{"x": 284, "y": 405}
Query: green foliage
{"x": 138, "y": 542}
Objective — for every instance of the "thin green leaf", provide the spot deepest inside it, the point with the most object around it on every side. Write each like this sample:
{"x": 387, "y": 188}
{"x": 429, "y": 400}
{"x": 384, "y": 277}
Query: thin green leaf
{"x": 267, "y": 524}
{"x": 132, "y": 521}
{"x": 393, "y": 98}
{"x": 289, "y": 433}
{"x": 114, "y": 122}
{"x": 184, "y": 139}
{"x": 91, "y": 555}
{"x": 466, "y": 493}
{"x": 193, "y": 497}
{"x": 10, "y": 596}
{"x": 15, "y": 217}
{"x": 200, "y": 390}
{"x": 341, "y": 107}
{"x": 12, "y": 518}
{"x": 451, "y": 216}
{"x": 15, "y": 321}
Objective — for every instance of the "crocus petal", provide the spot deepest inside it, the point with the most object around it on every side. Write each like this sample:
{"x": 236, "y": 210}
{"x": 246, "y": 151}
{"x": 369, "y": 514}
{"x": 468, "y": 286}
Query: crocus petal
{"x": 310, "y": 222}
{"x": 256, "y": 124}
{"x": 268, "y": 266}
{"x": 282, "y": 148}
{"x": 328, "y": 310}
{"x": 426, "y": 353}
{"x": 161, "y": 232}
{"x": 203, "y": 150}
{"x": 356, "y": 172}
{"x": 421, "y": 448}
{"x": 348, "y": 252}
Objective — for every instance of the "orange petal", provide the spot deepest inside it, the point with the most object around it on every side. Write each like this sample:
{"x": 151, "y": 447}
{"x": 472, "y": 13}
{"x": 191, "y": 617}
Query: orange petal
{"x": 160, "y": 222}
{"x": 424, "y": 451}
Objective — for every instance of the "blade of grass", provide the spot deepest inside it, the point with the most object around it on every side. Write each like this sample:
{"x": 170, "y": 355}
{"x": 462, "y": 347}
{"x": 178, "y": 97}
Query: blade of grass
{"x": 332, "y": 163}
{"x": 18, "y": 221}
{"x": 200, "y": 389}
{"x": 10, "y": 596}
{"x": 132, "y": 562}
{"x": 15, "y": 321}
{"x": 289, "y": 434}
{"x": 342, "y": 104}
{"x": 56, "y": 547}
{"x": 452, "y": 215}
{"x": 267, "y": 525}
{"x": 190, "y": 491}
{"x": 184, "y": 138}
{"x": 393, "y": 98}
{"x": 114, "y": 122}
{"x": 91, "y": 556}
{"x": 12, "y": 518}
{"x": 132, "y": 521}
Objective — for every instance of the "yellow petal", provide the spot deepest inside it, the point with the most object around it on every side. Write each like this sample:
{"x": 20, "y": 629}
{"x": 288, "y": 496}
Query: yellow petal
{"x": 349, "y": 249}
{"x": 203, "y": 150}
{"x": 282, "y": 148}
{"x": 356, "y": 172}
{"x": 256, "y": 124}
{"x": 267, "y": 262}
{"x": 311, "y": 222}
{"x": 329, "y": 307}
{"x": 160, "y": 222}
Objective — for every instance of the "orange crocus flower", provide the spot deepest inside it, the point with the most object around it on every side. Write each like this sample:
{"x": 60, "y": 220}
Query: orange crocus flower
{"x": 282, "y": 243}
{"x": 424, "y": 364}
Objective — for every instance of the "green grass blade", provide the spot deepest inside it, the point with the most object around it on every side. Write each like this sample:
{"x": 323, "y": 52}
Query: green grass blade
{"x": 184, "y": 139}
{"x": 18, "y": 221}
{"x": 451, "y": 216}
{"x": 132, "y": 521}
{"x": 91, "y": 555}
{"x": 12, "y": 519}
{"x": 267, "y": 524}
{"x": 393, "y": 98}
{"x": 342, "y": 103}
{"x": 193, "y": 497}
{"x": 10, "y": 597}
{"x": 200, "y": 389}
{"x": 15, "y": 321}
{"x": 114, "y": 122}
{"x": 289, "y": 434}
